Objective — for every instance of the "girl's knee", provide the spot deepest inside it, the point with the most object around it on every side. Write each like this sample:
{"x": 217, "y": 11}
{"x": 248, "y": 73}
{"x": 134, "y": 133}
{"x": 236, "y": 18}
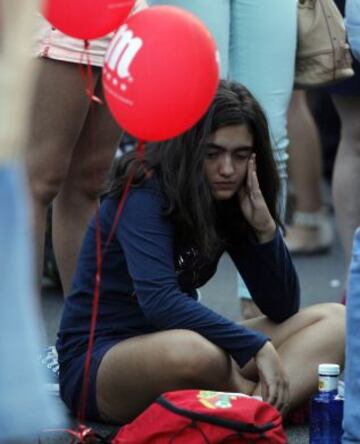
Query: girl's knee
{"x": 198, "y": 360}
{"x": 334, "y": 331}
{"x": 332, "y": 317}
{"x": 334, "y": 313}
{"x": 331, "y": 311}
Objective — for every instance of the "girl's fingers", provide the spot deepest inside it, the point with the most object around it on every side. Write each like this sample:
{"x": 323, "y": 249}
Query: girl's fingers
{"x": 250, "y": 169}
{"x": 264, "y": 391}
{"x": 273, "y": 393}
{"x": 254, "y": 186}
{"x": 251, "y": 172}
{"x": 281, "y": 399}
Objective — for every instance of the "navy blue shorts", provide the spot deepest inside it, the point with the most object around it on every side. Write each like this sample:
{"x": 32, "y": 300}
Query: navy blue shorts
{"x": 72, "y": 373}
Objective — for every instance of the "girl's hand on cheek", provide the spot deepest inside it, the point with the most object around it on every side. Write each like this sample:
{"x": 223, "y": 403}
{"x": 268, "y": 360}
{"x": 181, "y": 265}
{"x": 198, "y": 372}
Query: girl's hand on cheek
{"x": 253, "y": 205}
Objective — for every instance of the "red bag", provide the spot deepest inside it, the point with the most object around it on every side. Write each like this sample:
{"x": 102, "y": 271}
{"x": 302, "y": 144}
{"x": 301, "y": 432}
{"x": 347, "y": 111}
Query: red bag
{"x": 199, "y": 416}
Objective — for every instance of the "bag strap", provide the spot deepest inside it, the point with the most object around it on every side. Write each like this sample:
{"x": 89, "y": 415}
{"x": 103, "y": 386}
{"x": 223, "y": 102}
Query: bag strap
{"x": 227, "y": 423}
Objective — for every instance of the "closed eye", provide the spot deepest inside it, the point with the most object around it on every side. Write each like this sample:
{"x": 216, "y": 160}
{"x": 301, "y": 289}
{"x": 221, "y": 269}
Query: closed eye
{"x": 243, "y": 154}
{"x": 212, "y": 154}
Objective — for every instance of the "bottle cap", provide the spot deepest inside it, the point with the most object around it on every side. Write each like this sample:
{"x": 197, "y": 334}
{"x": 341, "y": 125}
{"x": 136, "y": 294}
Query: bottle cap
{"x": 329, "y": 369}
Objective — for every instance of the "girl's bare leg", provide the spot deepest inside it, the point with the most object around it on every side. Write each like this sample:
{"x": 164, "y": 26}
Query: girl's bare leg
{"x": 314, "y": 335}
{"x": 135, "y": 372}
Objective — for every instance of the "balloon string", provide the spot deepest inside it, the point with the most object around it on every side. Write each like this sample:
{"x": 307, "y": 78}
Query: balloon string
{"x": 140, "y": 151}
{"x": 120, "y": 208}
{"x": 98, "y": 246}
{"x": 88, "y": 78}
{"x": 84, "y": 432}
{"x": 140, "y": 154}
{"x": 99, "y": 261}
{"x": 87, "y": 74}
{"x": 94, "y": 313}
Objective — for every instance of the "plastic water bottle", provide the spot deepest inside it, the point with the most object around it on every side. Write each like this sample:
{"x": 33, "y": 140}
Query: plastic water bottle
{"x": 326, "y": 409}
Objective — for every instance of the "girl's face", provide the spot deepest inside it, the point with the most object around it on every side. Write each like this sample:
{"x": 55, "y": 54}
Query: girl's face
{"x": 226, "y": 160}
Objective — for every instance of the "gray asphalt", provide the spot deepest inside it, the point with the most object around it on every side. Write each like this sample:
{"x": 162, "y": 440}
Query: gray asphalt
{"x": 321, "y": 279}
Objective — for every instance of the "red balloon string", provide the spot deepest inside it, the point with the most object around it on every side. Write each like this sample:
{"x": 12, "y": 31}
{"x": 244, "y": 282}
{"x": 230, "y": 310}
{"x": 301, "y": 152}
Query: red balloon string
{"x": 94, "y": 313}
{"x": 140, "y": 151}
{"x": 120, "y": 208}
{"x": 99, "y": 261}
{"x": 87, "y": 74}
{"x": 84, "y": 433}
{"x": 140, "y": 154}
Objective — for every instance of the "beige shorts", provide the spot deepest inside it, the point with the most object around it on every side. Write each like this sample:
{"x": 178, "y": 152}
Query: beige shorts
{"x": 53, "y": 44}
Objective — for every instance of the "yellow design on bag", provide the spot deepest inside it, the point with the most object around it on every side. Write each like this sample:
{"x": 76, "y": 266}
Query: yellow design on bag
{"x": 213, "y": 400}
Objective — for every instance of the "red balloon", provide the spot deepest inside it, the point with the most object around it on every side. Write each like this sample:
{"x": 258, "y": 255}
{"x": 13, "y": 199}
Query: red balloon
{"x": 161, "y": 72}
{"x": 87, "y": 19}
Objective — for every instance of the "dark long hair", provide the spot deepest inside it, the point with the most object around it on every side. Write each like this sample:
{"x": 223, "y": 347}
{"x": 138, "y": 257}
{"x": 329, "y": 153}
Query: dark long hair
{"x": 179, "y": 165}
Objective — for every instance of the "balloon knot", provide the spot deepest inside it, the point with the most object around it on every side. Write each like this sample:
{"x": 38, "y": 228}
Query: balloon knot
{"x": 83, "y": 434}
{"x": 93, "y": 97}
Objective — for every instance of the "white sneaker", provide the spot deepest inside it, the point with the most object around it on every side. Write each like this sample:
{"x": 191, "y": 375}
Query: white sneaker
{"x": 310, "y": 233}
{"x": 49, "y": 361}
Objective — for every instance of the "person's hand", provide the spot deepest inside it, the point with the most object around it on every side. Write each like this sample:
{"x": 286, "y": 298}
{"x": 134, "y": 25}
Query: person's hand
{"x": 273, "y": 380}
{"x": 253, "y": 205}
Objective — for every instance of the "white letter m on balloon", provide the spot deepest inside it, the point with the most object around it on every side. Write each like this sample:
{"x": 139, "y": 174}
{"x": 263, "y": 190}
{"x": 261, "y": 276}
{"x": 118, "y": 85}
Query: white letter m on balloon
{"x": 122, "y": 51}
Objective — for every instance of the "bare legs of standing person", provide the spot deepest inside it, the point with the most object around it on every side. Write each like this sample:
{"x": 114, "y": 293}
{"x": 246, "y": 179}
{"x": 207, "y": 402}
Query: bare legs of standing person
{"x": 346, "y": 177}
{"x": 310, "y": 231}
{"x": 70, "y": 150}
{"x": 25, "y": 408}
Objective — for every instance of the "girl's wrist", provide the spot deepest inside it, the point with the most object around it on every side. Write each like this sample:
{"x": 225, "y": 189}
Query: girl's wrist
{"x": 267, "y": 234}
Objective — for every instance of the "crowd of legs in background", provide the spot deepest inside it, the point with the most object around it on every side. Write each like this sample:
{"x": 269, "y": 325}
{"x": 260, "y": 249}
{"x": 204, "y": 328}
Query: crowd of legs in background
{"x": 318, "y": 121}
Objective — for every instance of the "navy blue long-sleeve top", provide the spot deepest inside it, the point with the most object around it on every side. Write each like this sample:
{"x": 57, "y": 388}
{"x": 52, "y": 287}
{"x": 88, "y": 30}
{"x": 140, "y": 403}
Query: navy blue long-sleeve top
{"x": 149, "y": 281}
